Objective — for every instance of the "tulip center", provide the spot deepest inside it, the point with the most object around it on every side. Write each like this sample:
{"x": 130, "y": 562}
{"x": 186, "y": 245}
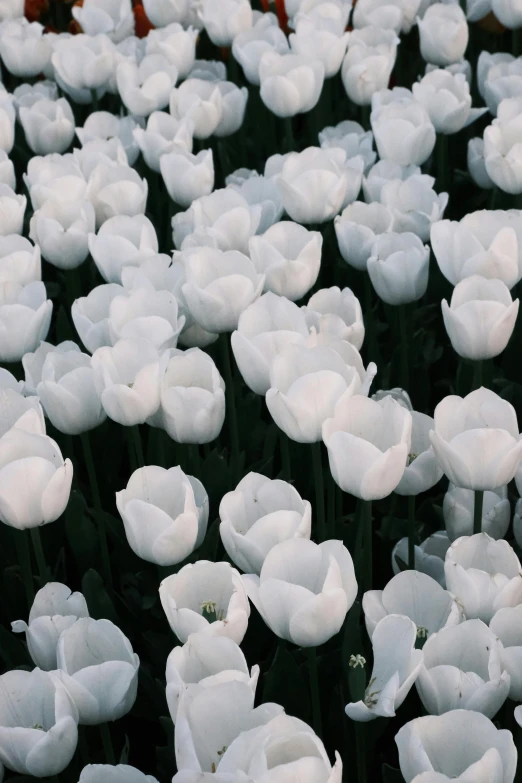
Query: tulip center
{"x": 38, "y": 726}
{"x": 210, "y": 611}
{"x": 357, "y": 660}
{"x": 411, "y": 457}
{"x": 371, "y": 697}
{"x": 220, "y": 753}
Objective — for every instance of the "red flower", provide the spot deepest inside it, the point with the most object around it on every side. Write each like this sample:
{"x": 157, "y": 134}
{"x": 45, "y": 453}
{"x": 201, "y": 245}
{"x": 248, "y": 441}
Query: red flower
{"x": 35, "y": 8}
{"x": 142, "y": 22}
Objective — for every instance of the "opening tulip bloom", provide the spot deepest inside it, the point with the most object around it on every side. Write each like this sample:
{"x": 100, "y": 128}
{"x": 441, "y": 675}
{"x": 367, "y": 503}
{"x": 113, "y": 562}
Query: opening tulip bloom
{"x": 304, "y": 590}
{"x": 162, "y": 136}
{"x": 146, "y": 87}
{"x": 446, "y": 97}
{"x": 352, "y": 138}
{"x": 368, "y": 443}
{"x": 116, "y": 190}
{"x": 99, "y": 670}
{"x": 480, "y": 318}
{"x": 206, "y": 597}
{"x": 458, "y": 508}
{"x": 55, "y": 608}
{"x": 443, "y": 33}
{"x": 38, "y": 724}
{"x": 113, "y": 17}
{"x": 186, "y": 176}
{"x": 476, "y": 440}
{"x": 368, "y": 63}
{"x": 165, "y": 514}
{"x": 502, "y": 154}
{"x": 259, "y": 514}
{"x": 399, "y": 268}
{"x": 414, "y": 205}
{"x": 146, "y": 314}
{"x": 200, "y": 102}
{"x": 415, "y": 595}
{"x": 422, "y": 471}
{"x": 84, "y": 63}
{"x": 337, "y": 313}
{"x": 90, "y": 315}
{"x": 459, "y": 744}
{"x": 35, "y": 480}
{"x": 290, "y": 83}
{"x": 120, "y": 773}
{"x": 428, "y": 556}
{"x": 358, "y": 227}
{"x": 506, "y": 624}
{"x": 61, "y": 228}
{"x": 403, "y": 132}
{"x": 484, "y": 575}
{"x": 249, "y": 45}
{"x": 289, "y": 257}
{"x": 25, "y": 317}
{"x": 306, "y": 384}
{"x": 396, "y": 666}
{"x": 122, "y": 241}
{"x": 206, "y": 661}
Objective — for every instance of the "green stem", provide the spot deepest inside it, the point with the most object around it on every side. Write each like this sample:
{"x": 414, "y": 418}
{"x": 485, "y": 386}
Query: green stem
{"x": 366, "y": 110}
{"x": 368, "y": 544}
{"x": 131, "y": 450}
{"x": 477, "y": 375}
{"x": 95, "y": 493}
{"x": 231, "y": 402}
{"x": 285, "y": 455}
{"x": 23, "y": 556}
{"x": 314, "y": 691}
{"x": 40, "y": 557}
{"x": 404, "y": 342}
{"x": 136, "y": 439}
{"x": 368, "y": 318}
{"x": 94, "y": 97}
{"x": 108, "y": 749}
{"x": 360, "y": 744}
{"x": 289, "y": 134}
{"x": 477, "y": 511}
{"x": 319, "y": 490}
{"x": 411, "y": 531}
{"x": 442, "y": 163}
{"x": 331, "y": 500}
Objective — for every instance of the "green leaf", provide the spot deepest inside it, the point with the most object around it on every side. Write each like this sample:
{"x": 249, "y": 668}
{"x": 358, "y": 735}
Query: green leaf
{"x": 284, "y": 684}
{"x": 100, "y": 605}
{"x": 81, "y": 533}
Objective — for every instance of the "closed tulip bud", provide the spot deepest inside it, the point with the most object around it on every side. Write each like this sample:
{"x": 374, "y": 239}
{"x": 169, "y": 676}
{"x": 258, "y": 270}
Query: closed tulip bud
{"x": 12, "y": 209}
{"x": 220, "y": 285}
{"x": 14, "y": 406}
{"x": 200, "y": 102}
{"x": 113, "y": 18}
{"x": 206, "y": 597}
{"x": 481, "y": 317}
{"x": 336, "y": 313}
{"x": 106, "y": 773}
{"x": 307, "y": 382}
{"x": 35, "y": 480}
{"x": 415, "y": 595}
{"x": 443, "y": 33}
{"x": 317, "y": 183}
{"x": 357, "y": 228}
{"x": 99, "y": 670}
{"x": 104, "y": 125}
{"x": 476, "y": 440}
{"x": 48, "y": 126}
{"x": 477, "y": 164}
{"x": 175, "y": 43}
{"x": 290, "y": 83}
{"x": 55, "y": 608}
{"x": 505, "y": 624}
{"x": 165, "y": 514}
{"x": 226, "y": 20}
{"x": 352, "y": 138}
{"x": 382, "y": 13}
{"x": 116, "y": 190}
{"x": 368, "y": 63}
{"x": 34, "y": 361}
{"x": 483, "y": 243}
{"x": 25, "y": 317}
{"x": 284, "y": 745}
{"x": 459, "y": 744}
{"x": 122, "y": 241}
{"x": 403, "y": 132}
{"x": 289, "y": 257}
{"x": 192, "y": 398}
{"x": 428, "y": 556}
{"x": 162, "y": 136}
{"x": 399, "y": 268}
{"x": 463, "y": 669}
{"x": 186, "y": 176}
{"x": 206, "y": 661}
{"x": 458, "y": 506}
{"x": 261, "y": 192}
{"x": 223, "y": 220}
{"x": 38, "y": 726}
{"x": 84, "y": 63}
{"x": 396, "y": 666}
{"x": 165, "y": 12}
{"x": 146, "y": 314}
{"x": 446, "y": 98}
{"x": 208, "y": 721}
{"x": 61, "y": 228}
{"x": 484, "y": 575}
{"x": 24, "y": 48}
{"x": 249, "y": 46}
{"x": 264, "y": 328}
{"x": 321, "y": 579}
{"x": 146, "y": 87}
{"x": 90, "y": 315}
{"x": 327, "y": 47}
{"x": 501, "y": 146}
{"x": 414, "y": 205}
{"x": 19, "y": 260}
{"x": 259, "y": 514}
{"x": 384, "y": 171}
{"x": 373, "y": 435}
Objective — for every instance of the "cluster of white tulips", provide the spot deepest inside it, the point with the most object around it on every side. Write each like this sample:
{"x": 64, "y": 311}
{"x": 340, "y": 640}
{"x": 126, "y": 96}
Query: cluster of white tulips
{"x": 245, "y": 204}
